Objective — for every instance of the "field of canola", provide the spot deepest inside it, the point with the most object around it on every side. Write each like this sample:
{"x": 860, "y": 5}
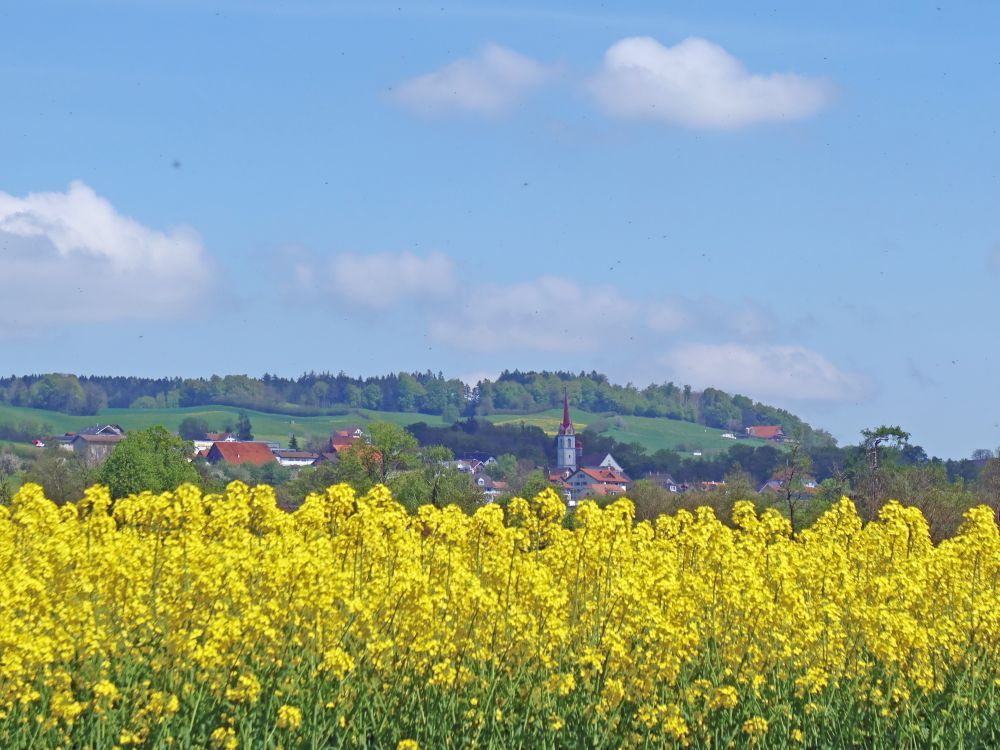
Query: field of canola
{"x": 219, "y": 621}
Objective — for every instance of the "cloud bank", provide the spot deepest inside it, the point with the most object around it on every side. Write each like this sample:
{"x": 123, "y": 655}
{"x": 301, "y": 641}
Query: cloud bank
{"x": 547, "y": 314}
{"x": 694, "y": 84}
{"x": 72, "y": 258}
{"x": 490, "y": 83}
{"x": 555, "y": 315}
{"x": 779, "y": 372}
{"x": 378, "y": 281}
{"x": 698, "y": 84}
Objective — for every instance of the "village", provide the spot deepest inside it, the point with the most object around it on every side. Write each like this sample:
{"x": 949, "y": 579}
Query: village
{"x": 575, "y": 474}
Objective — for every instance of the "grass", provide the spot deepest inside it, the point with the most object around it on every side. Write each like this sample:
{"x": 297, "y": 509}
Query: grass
{"x": 653, "y": 433}
{"x": 274, "y": 427}
{"x": 650, "y": 432}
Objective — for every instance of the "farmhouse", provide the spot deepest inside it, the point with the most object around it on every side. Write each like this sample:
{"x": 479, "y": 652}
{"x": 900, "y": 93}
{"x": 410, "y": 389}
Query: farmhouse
{"x": 295, "y": 458}
{"x": 666, "y": 482}
{"x": 766, "y": 432}
{"x": 342, "y": 439}
{"x": 237, "y": 452}
{"x": 93, "y": 449}
{"x": 491, "y": 488}
{"x": 597, "y": 482}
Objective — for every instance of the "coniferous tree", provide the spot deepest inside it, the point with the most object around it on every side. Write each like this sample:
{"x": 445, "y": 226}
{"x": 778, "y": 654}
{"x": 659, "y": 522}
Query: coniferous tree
{"x": 244, "y": 430}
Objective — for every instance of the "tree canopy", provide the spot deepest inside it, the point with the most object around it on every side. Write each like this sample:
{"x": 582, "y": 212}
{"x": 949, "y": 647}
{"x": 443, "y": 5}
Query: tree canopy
{"x": 151, "y": 459}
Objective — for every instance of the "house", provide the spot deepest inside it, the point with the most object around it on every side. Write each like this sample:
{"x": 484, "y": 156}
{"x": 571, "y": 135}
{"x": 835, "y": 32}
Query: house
{"x": 218, "y": 437}
{"x": 710, "y": 486}
{"x": 588, "y": 482}
{"x": 766, "y": 432}
{"x": 98, "y": 430}
{"x": 102, "y": 429}
{"x": 466, "y": 466}
{"x": 94, "y": 449}
{"x": 486, "y": 459}
{"x": 326, "y": 457}
{"x": 342, "y": 439}
{"x": 665, "y": 481}
{"x": 560, "y": 476}
{"x": 605, "y": 462}
{"x": 237, "y": 452}
{"x": 491, "y": 488}
{"x": 776, "y": 485}
{"x": 63, "y": 441}
{"x": 295, "y": 458}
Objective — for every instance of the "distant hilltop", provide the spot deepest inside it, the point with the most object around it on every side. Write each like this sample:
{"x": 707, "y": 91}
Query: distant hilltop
{"x": 314, "y": 394}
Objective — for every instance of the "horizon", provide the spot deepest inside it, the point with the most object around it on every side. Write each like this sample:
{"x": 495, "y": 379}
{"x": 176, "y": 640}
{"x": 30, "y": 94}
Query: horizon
{"x": 335, "y": 407}
{"x": 789, "y": 205}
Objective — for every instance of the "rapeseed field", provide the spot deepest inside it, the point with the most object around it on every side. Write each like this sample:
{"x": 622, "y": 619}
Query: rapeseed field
{"x": 181, "y": 620}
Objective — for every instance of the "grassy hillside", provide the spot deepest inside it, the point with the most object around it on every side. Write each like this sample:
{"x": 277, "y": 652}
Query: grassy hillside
{"x": 276, "y": 427}
{"x": 651, "y": 433}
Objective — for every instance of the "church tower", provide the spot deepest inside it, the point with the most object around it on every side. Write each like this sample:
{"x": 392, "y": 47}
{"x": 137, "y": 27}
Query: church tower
{"x": 566, "y": 441}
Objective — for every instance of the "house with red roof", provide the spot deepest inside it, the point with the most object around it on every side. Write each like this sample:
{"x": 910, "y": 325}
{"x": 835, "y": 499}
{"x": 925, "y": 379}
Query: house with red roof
{"x": 766, "y": 432}
{"x": 342, "y": 439}
{"x": 240, "y": 452}
{"x": 597, "y": 481}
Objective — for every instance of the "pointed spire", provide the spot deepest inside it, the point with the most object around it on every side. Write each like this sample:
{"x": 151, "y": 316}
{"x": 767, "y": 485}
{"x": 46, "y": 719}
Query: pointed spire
{"x": 566, "y": 424}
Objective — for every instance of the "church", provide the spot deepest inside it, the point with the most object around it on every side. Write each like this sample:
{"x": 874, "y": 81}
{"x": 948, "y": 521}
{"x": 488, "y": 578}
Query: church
{"x": 577, "y": 478}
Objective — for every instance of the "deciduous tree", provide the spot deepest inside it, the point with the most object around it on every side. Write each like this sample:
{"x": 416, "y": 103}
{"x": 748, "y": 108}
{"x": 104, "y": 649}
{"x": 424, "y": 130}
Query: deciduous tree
{"x": 151, "y": 459}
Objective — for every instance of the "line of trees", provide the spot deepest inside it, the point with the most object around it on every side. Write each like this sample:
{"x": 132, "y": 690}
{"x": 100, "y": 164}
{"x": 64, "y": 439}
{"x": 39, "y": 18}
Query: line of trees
{"x": 427, "y": 393}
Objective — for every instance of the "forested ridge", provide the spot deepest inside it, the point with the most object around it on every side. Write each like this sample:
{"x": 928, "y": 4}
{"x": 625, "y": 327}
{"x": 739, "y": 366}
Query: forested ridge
{"x": 427, "y": 393}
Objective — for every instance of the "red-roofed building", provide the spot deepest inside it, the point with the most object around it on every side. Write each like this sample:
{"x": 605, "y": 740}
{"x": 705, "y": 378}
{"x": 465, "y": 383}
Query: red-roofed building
{"x": 766, "y": 432}
{"x": 342, "y": 439}
{"x": 596, "y": 481}
{"x": 238, "y": 452}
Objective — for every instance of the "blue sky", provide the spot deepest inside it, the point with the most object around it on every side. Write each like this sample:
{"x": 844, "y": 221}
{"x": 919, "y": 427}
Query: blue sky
{"x": 794, "y": 201}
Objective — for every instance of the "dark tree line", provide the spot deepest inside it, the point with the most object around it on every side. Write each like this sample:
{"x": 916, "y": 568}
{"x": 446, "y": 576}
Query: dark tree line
{"x": 427, "y": 393}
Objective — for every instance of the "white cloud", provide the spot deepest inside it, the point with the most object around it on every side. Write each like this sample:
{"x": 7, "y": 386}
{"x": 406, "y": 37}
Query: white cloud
{"x": 72, "y": 258}
{"x": 698, "y": 84}
{"x": 767, "y": 372}
{"x": 378, "y": 281}
{"x": 488, "y": 84}
{"x": 547, "y": 314}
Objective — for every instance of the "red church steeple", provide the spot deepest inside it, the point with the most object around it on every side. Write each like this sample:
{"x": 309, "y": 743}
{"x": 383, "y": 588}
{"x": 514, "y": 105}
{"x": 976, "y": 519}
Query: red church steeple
{"x": 566, "y": 442}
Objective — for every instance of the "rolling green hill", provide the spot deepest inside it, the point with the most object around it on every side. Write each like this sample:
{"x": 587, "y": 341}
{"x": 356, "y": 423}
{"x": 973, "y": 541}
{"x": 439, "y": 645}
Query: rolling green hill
{"x": 276, "y": 427}
{"x": 652, "y": 433}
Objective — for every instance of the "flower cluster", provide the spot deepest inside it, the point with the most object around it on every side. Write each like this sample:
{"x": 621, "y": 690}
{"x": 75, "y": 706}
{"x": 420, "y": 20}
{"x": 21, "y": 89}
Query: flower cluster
{"x": 182, "y": 619}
